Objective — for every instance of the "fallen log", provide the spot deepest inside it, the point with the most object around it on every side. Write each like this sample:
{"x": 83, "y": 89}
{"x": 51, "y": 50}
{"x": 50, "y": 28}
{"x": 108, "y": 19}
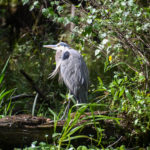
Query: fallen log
{"x": 22, "y": 130}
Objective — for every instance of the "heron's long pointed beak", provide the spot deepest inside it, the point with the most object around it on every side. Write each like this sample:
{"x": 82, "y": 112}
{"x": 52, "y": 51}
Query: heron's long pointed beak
{"x": 51, "y": 46}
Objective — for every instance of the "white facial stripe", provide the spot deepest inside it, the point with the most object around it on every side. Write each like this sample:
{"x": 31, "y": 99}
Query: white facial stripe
{"x": 61, "y": 48}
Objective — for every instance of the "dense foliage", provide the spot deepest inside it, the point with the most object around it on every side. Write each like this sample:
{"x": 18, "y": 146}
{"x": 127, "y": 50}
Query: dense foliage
{"x": 113, "y": 37}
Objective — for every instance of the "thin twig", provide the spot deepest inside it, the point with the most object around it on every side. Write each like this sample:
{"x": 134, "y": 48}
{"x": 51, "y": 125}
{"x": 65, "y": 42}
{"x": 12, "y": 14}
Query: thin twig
{"x": 133, "y": 148}
{"x": 143, "y": 41}
{"x": 20, "y": 96}
{"x": 115, "y": 142}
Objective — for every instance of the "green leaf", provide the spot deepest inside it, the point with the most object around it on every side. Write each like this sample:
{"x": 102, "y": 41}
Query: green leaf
{"x": 3, "y": 93}
{"x": 56, "y": 135}
{"x": 136, "y": 121}
{"x": 4, "y": 68}
{"x": 99, "y": 90}
{"x": 82, "y": 148}
{"x": 112, "y": 91}
{"x": 128, "y": 95}
{"x": 1, "y": 78}
{"x": 52, "y": 112}
{"x": 116, "y": 96}
{"x": 78, "y": 137}
{"x": 100, "y": 81}
{"x": 31, "y": 7}
{"x": 25, "y": 2}
{"x": 60, "y": 9}
{"x": 122, "y": 89}
{"x": 119, "y": 81}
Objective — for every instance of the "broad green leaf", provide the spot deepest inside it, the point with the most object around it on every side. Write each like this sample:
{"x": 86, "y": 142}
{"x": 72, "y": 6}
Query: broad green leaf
{"x": 129, "y": 96}
{"x": 122, "y": 89}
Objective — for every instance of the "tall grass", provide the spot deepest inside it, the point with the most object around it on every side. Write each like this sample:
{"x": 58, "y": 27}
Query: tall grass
{"x": 5, "y": 107}
{"x": 75, "y": 123}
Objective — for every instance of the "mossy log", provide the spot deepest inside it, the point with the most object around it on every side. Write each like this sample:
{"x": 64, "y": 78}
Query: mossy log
{"x": 22, "y": 130}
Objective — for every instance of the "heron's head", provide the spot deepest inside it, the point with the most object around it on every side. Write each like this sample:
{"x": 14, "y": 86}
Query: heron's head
{"x": 60, "y": 46}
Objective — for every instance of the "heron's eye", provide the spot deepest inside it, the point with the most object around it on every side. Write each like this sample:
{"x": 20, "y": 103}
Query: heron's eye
{"x": 66, "y": 55}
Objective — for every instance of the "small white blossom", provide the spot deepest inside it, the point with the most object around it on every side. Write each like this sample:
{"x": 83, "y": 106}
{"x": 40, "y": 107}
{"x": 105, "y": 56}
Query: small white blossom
{"x": 104, "y": 41}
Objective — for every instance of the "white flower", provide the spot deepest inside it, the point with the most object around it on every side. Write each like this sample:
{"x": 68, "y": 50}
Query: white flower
{"x": 104, "y": 41}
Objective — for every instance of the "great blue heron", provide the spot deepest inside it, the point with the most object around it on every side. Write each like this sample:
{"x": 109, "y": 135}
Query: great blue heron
{"x": 72, "y": 70}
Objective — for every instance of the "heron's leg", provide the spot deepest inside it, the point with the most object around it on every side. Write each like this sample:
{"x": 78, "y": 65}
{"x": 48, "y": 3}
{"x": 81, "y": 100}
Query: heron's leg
{"x": 65, "y": 114}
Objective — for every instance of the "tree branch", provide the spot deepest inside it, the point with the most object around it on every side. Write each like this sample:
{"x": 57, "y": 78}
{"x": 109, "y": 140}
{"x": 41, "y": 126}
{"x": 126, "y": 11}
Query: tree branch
{"x": 34, "y": 86}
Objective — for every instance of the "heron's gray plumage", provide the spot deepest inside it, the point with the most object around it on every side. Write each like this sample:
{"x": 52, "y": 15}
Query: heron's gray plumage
{"x": 76, "y": 79}
{"x": 72, "y": 70}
